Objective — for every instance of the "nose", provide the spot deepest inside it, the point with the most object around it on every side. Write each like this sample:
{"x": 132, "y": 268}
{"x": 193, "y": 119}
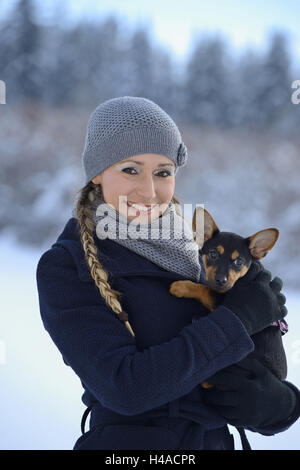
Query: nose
{"x": 221, "y": 279}
{"x": 146, "y": 189}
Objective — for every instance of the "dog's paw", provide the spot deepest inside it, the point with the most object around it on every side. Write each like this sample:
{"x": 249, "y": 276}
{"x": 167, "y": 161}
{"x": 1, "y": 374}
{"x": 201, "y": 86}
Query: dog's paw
{"x": 178, "y": 288}
{"x": 206, "y": 385}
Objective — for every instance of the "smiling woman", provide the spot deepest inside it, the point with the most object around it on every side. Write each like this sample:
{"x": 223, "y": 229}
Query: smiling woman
{"x": 140, "y": 352}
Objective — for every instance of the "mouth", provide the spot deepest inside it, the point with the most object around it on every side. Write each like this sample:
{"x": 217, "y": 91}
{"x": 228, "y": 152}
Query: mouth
{"x": 141, "y": 208}
{"x": 220, "y": 289}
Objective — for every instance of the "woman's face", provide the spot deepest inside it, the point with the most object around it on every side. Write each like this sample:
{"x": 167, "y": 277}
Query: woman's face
{"x": 146, "y": 179}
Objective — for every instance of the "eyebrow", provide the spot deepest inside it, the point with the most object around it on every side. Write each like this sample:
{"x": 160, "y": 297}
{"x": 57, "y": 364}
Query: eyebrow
{"x": 141, "y": 163}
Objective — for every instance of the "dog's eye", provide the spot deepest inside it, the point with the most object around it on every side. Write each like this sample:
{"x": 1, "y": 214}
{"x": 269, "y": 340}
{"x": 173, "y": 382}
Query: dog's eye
{"x": 213, "y": 254}
{"x": 238, "y": 262}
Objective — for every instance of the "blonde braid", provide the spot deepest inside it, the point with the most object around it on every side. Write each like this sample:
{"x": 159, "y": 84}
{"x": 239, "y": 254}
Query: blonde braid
{"x": 98, "y": 273}
{"x": 86, "y": 228}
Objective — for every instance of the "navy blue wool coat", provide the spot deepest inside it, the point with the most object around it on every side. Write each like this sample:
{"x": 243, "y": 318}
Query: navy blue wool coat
{"x": 144, "y": 392}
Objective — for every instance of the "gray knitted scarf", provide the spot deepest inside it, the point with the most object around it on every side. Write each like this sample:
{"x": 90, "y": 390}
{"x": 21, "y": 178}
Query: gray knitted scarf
{"x": 166, "y": 241}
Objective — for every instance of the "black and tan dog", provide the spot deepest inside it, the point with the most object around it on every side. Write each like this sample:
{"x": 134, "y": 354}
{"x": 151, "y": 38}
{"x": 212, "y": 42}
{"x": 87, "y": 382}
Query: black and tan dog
{"x": 227, "y": 257}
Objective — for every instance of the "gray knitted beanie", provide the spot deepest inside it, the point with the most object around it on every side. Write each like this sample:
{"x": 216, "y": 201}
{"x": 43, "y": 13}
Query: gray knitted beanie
{"x": 125, "y": 126}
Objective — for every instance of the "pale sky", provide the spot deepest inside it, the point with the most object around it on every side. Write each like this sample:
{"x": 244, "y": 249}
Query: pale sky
{"x": 242, "y": 22}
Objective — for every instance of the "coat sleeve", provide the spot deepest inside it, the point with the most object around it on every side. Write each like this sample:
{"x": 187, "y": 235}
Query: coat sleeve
{"x": 103, "y": 353}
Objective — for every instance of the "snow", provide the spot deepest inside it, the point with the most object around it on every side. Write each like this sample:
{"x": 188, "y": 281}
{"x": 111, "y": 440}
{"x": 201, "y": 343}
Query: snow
{"x": 40, "y": 404}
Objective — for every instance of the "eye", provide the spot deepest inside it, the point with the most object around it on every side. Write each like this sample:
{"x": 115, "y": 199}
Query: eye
{"x": 213, "y": 254}
{"x": 238, "y": 262}
{"x": 167, "y": 173}
{"x": 129, "y": 168}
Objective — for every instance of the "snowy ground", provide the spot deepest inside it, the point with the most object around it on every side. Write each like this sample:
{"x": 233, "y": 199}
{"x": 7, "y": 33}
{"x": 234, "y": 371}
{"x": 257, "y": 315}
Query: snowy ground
{"x": 40, "y": 397}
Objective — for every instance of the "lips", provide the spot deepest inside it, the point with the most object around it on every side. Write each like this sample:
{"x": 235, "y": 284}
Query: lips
{"x": 138, "y": 204}
{"x": 141, "y": 207}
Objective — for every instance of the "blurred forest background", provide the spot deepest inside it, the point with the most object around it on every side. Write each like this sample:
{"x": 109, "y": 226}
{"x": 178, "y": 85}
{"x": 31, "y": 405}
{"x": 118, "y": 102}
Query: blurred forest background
{"x": 234, "y": 112}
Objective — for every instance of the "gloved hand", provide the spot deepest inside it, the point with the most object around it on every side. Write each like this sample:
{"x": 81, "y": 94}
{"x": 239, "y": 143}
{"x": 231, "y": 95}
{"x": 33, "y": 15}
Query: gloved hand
{"x": 256, "y": 300}
{"x": 248, "y": 394}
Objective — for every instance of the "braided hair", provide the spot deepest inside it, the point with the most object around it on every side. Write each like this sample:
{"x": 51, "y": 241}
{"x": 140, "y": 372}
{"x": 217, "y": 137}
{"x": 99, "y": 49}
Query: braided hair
{"x": 86, "y": 227}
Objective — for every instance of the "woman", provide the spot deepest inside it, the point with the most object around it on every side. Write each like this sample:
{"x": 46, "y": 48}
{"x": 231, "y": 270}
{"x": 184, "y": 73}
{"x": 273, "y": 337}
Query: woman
{"x": 141, "y": 353}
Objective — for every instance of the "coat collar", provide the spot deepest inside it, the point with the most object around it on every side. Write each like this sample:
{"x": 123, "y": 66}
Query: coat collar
{"x": 117, "y": 260}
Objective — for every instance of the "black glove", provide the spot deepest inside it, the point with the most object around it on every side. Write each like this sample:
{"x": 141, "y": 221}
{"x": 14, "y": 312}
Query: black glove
{"x": 248, "y": 394}
{"x": 256, "y": 300}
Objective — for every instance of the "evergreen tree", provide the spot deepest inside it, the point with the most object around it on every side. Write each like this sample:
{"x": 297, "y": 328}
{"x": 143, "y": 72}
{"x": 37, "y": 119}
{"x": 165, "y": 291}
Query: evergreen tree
{"x": 20, "y": 37}
{"x": 273, "y": 83}
{"x": 207, "y": 85}
{"x": 141, "y": 60}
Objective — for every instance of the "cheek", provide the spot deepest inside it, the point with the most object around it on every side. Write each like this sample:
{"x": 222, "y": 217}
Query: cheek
{"x": 235, "y": 275}
{"x": 115, "y": 185}
{"x": 165, "y": 189}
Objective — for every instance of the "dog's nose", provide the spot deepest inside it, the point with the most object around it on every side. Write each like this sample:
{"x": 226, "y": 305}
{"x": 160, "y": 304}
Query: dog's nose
{"x": 221, "y": 280}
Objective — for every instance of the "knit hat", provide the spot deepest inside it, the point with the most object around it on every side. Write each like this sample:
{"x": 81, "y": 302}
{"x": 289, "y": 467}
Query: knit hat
{"x": 125, "y": 126}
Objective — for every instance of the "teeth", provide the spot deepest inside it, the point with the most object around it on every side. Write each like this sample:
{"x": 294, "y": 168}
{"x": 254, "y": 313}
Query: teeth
{"x": 141, "y": 208}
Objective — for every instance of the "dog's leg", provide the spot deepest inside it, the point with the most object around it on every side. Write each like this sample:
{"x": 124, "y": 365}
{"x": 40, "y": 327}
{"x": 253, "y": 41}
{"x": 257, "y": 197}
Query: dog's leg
{"x": 193, "y": 290}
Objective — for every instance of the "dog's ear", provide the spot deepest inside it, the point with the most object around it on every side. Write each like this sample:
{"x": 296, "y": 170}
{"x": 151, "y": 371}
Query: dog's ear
{"x": 204, "y": 226}
{"x": 260, "y": 243}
